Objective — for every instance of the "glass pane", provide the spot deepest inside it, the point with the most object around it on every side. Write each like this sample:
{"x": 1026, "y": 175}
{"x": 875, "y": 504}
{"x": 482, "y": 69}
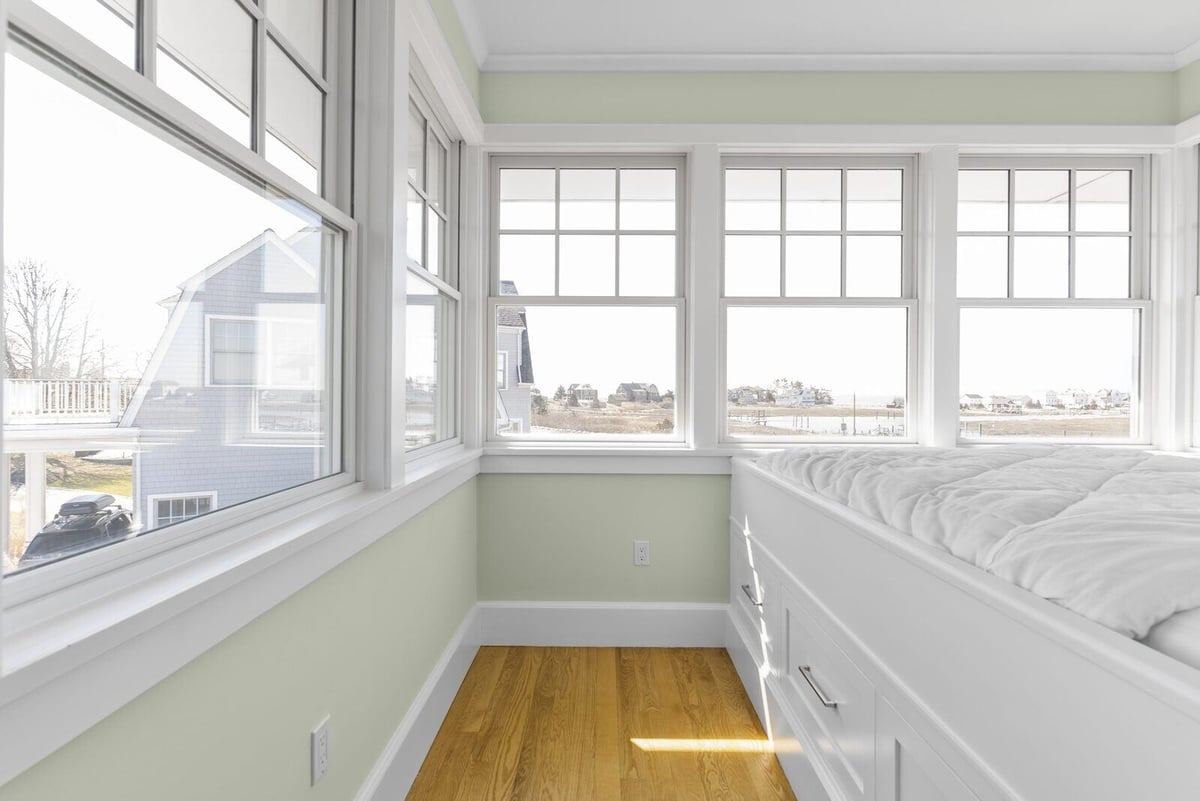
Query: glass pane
{"x": 435, "y": 236}
{"x": 587, "y": 265}
{"x": 588, "y": 200}
{"x": 1041, "y": 200}
{"x": 438, "y": 176}
{"x": 302, "y": 23}
{"x": 814, "y": 266}
{"x": 830, "y": 381}
{"x": 206, "y": 60}
{"x": 873, "y": 267}
{"x": 873, "y": 200}
{"x": 814, "y": 200}
{"x": 1102, "y": 267}
{"x": 429, "y": 365}
{"x": 647, "y": 200}
{"x": 109, "y": 24}
{"x": 415, "y": 236}
{"x": 1040, "y": 267}
{"x": 1102, "y": 200}
{"x": 587, "y": 372}
{"x": 752, "y": 266}
{"x": 294, "y": 119}
{"x": 752, "y": 200}
{"x": 983, "y": 266}
{"x": 1048, "y": 372}
{"x": 152, "y": 395}
{"x": 647, "y": 265}
{"x": 983, "y": 200}
{"x": 527, "y": 264}
{"x": 527, "y": 199}
{"x": 416, "y": 146}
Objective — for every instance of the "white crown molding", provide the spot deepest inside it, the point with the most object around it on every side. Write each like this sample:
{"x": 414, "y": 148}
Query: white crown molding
{"x": 851, "y": 62}
{"x": 1187, "y": 55}
{"x": 472, "y": 25}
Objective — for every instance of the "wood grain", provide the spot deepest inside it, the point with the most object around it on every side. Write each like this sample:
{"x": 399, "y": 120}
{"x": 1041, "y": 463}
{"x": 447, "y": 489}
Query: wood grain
{"x": 560, "y": 724}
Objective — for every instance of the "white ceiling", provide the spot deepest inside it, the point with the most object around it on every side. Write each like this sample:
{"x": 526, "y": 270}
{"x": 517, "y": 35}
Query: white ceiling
{"x": 836, "y": 34}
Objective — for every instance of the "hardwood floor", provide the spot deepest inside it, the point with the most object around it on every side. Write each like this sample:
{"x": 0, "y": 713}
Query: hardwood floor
{"x": 634, "y": 724}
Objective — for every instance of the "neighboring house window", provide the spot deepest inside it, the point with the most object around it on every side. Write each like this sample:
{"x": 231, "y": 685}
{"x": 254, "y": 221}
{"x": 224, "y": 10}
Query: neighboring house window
{"x": 501, "y": 369}
{"x": 1053, "y": 296}
{"x": 431, "y": 316}
{"x": 819, "y": 298}
{"x": 219, "y": 314}
{"x": 165, "y": 511}
{"x": 587, "y": 288}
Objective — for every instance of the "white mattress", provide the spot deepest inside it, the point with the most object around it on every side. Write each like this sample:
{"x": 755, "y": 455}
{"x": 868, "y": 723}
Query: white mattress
{"x": 1112, "y": 534}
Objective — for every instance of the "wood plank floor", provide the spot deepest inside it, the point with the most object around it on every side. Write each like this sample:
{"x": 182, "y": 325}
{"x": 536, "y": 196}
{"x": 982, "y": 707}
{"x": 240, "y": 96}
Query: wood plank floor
{"x": 635, "y": 724}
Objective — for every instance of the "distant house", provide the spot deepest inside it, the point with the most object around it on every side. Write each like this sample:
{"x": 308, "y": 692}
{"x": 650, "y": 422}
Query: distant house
{"x": 1075, "y": 398}
{"x": 1052, "y": 400}
{"x": 791, "y": 396}
{"x": 749, "y": 395}
{"x": 971, "y": 401}
{"x": 637, "y": 393}
{"x": 514, "y": 367}
{"x": 584, "y": 394}
{"x": 1005, "y": 404}
{"x": 232, "y": 404}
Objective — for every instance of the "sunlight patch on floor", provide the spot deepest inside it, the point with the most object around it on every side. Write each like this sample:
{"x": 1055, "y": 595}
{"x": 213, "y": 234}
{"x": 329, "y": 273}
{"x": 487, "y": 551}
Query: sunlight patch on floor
{"x": 746, "y": 745}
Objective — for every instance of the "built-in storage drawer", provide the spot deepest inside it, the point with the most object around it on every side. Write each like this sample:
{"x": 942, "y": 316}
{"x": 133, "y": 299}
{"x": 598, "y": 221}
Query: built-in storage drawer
{"x": 753, "y": 593}
{"x": 832, "y": 699}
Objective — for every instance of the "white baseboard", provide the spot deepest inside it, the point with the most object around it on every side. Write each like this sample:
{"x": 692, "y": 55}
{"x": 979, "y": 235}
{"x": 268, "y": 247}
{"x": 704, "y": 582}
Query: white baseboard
{"x": 393, "y": 773}
{"x": 662, "y": 625}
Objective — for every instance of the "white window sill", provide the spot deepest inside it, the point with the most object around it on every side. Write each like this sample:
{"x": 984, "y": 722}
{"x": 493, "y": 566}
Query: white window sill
{"x": 73, "y": 657}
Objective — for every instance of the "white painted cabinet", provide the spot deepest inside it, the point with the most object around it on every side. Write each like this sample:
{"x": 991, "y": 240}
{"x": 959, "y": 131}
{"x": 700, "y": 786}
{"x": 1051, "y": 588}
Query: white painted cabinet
{"x": 907, "y": 768}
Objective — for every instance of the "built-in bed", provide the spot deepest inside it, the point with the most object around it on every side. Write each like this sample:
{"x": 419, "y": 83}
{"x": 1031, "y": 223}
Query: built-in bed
{"x": 972, "y": 623}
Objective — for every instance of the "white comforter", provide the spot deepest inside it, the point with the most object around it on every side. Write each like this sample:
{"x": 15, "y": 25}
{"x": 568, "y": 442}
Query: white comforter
{"x": 1111, "y": 534}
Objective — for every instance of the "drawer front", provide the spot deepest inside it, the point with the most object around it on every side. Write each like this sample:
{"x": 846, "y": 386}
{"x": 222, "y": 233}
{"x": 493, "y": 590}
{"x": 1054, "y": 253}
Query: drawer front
{"x": 753, "y": 593}
{"x": 832, "y": 698}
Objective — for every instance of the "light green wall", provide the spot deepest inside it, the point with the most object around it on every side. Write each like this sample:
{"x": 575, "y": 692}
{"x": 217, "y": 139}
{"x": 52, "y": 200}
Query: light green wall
{"x": 233, "y": 724}
{"x": 831, "y": 97}
{"x": 1188, "y": 80}
{"x": 452, "y": 29}
{"x": 570, "y": 537}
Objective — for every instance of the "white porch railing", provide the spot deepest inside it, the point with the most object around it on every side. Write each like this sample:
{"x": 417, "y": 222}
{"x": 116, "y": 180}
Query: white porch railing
{"x": 38, "y": 400}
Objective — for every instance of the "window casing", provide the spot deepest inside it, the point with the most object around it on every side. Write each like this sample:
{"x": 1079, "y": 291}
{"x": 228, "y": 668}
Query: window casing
{"x": 1054, "y": 298}
{"x": 818, "y": 306}
{"x": 165, "y": 510}
{"x": 433, "y": 300}
{"x": 587, "y": 281}
{"x": 257, "y": 237}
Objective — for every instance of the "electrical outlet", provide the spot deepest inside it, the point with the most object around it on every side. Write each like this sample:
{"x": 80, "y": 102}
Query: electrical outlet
{"x": 320, "y": 750}
{"x": 641, "y": 552}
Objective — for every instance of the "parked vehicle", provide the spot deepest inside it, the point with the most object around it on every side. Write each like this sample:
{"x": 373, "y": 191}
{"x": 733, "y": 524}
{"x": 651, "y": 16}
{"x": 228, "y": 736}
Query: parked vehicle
{"x": 82, "y": 524}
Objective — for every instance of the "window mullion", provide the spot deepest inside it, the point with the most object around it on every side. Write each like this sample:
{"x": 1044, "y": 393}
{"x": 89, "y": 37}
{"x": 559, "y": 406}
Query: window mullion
{"x": 147, "y": 39}
{"x": 258, "y": 88}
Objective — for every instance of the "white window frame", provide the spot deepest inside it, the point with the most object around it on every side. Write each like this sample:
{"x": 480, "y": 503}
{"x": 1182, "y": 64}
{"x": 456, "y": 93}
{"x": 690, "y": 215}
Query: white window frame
{"x": 678, "y": 301}
{"x": 57, "y": 50}
{"x": 907, "y": 299}
{"x": 446, "y": 281}
{"x": 1140, "y": 279}
{"x": 152, "y": 505}
{"x": 501, "y": 370}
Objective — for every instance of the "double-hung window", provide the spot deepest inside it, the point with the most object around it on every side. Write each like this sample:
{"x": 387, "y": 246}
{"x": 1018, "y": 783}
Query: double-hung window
{"x": 431, "y": 316}
{"x": 818, "y": 297}
{"x": 185, "y": 295}
{"x": 587, "y": 306}
{"x": 1054, "y": 298}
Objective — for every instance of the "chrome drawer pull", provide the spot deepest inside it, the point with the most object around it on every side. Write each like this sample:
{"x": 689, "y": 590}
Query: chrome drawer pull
{"x": 806, "y": 672}
{"x": 750, "y": 595}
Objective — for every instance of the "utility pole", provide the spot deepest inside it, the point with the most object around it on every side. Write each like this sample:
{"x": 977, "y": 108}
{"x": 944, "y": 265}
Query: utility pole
{"x": 854, "y": 412}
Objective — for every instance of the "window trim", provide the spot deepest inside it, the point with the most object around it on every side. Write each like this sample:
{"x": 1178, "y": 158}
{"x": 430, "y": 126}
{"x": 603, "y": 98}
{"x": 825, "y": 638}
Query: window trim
{"x": 908, "y": 298}
{"x": 675, "y": 160}
{"x": 1141, "y": 283}
{"x": 152, "y": 501}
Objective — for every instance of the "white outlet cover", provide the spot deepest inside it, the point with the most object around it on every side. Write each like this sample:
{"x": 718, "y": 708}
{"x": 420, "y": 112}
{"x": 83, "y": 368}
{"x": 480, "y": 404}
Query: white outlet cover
{"x": 641, "y": 552}
{"x": 319, "y": 741}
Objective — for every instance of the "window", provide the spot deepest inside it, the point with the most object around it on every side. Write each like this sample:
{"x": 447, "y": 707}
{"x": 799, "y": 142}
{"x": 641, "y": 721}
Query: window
{"x": 819, "y": 306}
{"x": 431, "y": 318}
{"x": 200, "y": 307}
{"x": 587, "y": 302}
{"x": 1051, "y": 285}
{"x": 165, "y": 511}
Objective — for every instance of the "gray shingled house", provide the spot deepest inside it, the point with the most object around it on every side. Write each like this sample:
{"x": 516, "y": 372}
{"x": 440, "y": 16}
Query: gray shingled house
{"x": 514, "y": 367}
{"x": 232, "y": 405}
